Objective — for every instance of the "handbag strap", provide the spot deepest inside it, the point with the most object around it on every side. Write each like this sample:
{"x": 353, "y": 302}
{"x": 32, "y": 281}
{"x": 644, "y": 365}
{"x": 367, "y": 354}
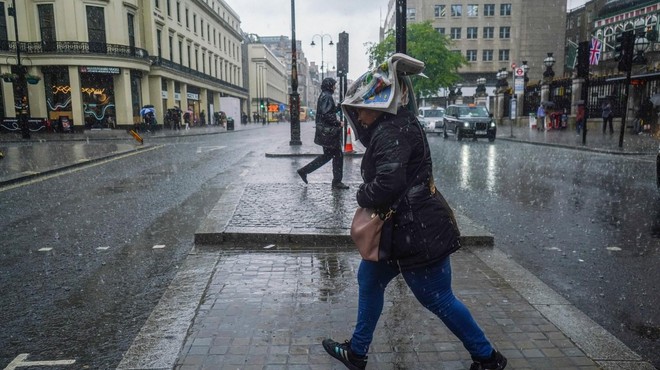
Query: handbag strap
{"x": 395, "y": 205}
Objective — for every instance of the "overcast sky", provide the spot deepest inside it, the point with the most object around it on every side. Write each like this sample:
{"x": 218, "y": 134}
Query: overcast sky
{"x": 361, "y": 19}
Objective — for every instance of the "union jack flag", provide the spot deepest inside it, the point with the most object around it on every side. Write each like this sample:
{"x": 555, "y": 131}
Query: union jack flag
{"x": 594, "y": 52}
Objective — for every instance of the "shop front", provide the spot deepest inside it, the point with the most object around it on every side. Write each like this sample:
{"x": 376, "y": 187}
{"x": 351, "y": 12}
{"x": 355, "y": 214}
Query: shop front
{"x": 98, "y": 98}
{"x": 58, "y": 98}
{"x": 193, "y": 108}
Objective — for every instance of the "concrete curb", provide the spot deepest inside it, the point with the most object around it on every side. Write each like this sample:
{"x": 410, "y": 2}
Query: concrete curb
{"x": 26, "y": 176}
{"x": 214, "y": 232}
{"x": 596, "y": 342}
{"x": 573, "y": 147}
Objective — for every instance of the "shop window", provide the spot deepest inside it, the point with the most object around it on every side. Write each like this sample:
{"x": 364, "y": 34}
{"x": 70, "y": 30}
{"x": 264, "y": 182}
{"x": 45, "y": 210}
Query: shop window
{"x": 98, "y": 99}
{"x": 58, "y": 96}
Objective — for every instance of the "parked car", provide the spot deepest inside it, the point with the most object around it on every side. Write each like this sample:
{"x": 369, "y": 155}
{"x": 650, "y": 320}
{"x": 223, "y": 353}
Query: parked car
{"x": 431, "y": 118}
{"x": 469, "y": 120}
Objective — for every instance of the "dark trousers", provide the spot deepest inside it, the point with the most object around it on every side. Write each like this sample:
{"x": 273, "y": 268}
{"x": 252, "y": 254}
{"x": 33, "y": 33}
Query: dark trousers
{"x": 337, "y": 156}
{"x": 607, "y": 119}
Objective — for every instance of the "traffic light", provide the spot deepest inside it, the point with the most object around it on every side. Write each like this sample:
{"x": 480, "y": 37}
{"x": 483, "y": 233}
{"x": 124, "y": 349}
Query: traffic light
{"x": 261, "y": 104}
{"x": 583, "y": 60}
{"x": 623, "y": 50}
{"x": 342, "y": 55}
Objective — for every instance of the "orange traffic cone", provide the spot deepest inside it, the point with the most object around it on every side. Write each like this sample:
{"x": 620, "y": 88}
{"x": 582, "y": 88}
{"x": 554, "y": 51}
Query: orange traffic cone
{"x": 348, "y": 148}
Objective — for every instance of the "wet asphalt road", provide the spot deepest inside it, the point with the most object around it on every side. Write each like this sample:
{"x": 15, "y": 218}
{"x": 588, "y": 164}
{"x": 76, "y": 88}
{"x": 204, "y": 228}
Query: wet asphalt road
{"x": 87, "y": 297}
{"x": 585, "y": 223}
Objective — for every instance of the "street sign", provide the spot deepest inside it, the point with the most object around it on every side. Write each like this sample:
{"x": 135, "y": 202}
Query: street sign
{"x": 519, "y": 85}
{"x": 520, "y": 72}
{"x": 513, "y": 65}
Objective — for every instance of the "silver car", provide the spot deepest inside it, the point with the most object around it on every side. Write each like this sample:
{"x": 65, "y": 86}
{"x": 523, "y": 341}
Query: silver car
{"x": 431, "y": 118}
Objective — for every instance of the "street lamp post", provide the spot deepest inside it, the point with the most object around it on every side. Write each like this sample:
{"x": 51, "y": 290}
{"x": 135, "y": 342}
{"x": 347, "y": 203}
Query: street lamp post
{"x": 548, "y": 62}
{"x": 294, "y": 105}
{"x": 21, "y": 83}
{"x": 322, "y": 37}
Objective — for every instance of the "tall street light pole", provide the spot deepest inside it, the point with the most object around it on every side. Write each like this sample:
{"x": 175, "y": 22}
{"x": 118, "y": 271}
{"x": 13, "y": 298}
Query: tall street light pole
{"x": 295, "y": 97}
{"x": 21, "y": 86}
{"x": 322, "y": 36}
{"x": 401, "y": 13}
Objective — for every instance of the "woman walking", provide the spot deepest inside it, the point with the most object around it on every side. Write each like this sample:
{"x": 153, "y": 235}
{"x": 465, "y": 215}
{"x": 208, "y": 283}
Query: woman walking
{"x": 397, "y": 159}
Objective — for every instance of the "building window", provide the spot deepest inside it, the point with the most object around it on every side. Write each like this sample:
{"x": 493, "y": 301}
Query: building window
{"x": 489, "y": 32}
{"x": 158, "y": 43}
{"x": 489, "y": 10}
{"x": 4, "y": 39}
{"x": 169, "y": 8}
{"x": 187, "y": 19}
{"x": 202, "y": 27}
{"x": 487, "y": 55}
{"x": 96, "y": 29}
{"x": 505, "y": 32}
{"x": 440, "y": 11}
{"x": 171, "y": 46}
{"x": 505, "y": 9}
{"x": 455, "y": 33}
{"x": 130, "y": 19}
{"x": 440, "y": 30}
{"x": 473, "y": 10}
{"x": 178, "y": 11}
{"x": 180, "y": 52}
{"x": 504, "y": 55}
{"x": 472, "y": 32}
{"x": 471, "y": 55}
{"x": 189, "y": 56}
{"x": 47, "y": 27}
{"x": 411, "y": 13}
{"x": 195, "y": 23}
{"x": 457, "y": 10}
{"x": 157, "y": 4}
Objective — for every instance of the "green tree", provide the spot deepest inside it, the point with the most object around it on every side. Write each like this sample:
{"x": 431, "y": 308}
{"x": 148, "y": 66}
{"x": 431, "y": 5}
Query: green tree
{"x": 429, "y": 46}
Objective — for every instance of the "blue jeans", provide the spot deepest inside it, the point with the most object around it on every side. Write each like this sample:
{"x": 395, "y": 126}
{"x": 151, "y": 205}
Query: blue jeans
{"x": 432, "y": 288}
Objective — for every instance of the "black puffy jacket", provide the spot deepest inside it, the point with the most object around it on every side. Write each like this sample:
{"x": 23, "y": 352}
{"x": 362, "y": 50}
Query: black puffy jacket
{"x": 424, "y": 232}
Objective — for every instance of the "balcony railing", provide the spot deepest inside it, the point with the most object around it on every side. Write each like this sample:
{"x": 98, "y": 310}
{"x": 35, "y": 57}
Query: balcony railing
{"x": 74, "y": 47}
{"x": 166, "y": 63}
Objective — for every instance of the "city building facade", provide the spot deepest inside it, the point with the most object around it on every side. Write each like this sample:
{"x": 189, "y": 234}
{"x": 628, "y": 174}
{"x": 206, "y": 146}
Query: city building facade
{"x": 117, "y": 56}
{"x": 493, "y": 34}
{"x": 269, "y": 91}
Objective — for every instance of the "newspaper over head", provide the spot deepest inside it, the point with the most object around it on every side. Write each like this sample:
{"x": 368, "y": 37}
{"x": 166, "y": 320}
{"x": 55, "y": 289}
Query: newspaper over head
{"x": 379, "y": 89}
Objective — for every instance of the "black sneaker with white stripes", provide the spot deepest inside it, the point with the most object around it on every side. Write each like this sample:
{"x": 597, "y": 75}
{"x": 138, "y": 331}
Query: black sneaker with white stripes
{"x": 496, "y": 361}
{"x": 343, "y": 353}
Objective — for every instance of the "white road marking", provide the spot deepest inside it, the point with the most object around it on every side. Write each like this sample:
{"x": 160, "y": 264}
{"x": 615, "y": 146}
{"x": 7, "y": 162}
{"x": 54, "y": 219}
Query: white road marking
{"x": 244, "y": 173}
{"x": 19, "y": 361}
{"x": 159, "y": 246}
{"x": 269, "y": 246}
{"x": 102, "y": 248}
{"x": 46, "y": 249}
{"x": 202, "y": 149}
{"x": 614, "y": 249}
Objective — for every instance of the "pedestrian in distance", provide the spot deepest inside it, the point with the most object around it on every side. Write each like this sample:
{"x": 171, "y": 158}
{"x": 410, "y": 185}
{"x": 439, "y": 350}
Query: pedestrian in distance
{"x": 580, "y": 118}
{"x": 328, "y": 135}
{"x": 397, "y": 165}
{"x": 540, "y": 118}
{"x": 608, "y": 116}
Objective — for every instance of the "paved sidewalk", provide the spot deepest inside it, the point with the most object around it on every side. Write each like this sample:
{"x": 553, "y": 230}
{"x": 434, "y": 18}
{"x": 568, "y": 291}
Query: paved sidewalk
{"x": 261, "y": 289}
